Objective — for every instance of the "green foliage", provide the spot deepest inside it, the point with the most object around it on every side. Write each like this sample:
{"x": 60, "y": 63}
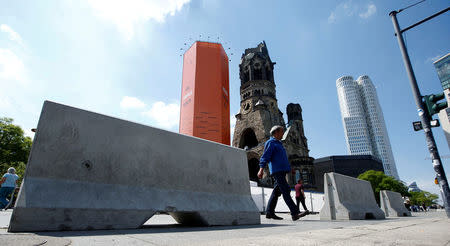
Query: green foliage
{"x": 14, "y": 147}
{"x": 381, "y": 181}
{"x": 423, "y": 197}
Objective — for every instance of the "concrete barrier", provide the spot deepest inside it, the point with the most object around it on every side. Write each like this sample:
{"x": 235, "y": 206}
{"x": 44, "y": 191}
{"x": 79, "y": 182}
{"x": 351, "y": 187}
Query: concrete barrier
{"x": 348, "y": 198}
{"x": 89, "y": 171}
{"x": 392, "y": 204}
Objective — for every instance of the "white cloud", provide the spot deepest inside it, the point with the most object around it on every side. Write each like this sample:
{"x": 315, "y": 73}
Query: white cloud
{"x": 16, "y": 96}
{"x": 164, "y": 115}
{"x": 11, "y": 66}
{"x": 12, "y": 35}
{"x": 350, "y": 9}
{"x": 211, "y": 4}
{"x": 232, "y": 126}
{"x": 371, "y": 10}
{"x": 343, "y": 9}
{"x": 332, "y": 18}
{"x": 4, "y": 102}
{"x": 232, "y": 121}
{"x": 131, "y": 103}
{"x": 127, "y": 14}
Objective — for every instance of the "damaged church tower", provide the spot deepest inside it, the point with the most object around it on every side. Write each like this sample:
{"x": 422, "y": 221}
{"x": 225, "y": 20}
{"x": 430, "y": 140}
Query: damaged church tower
{"x": 259, "y": 112}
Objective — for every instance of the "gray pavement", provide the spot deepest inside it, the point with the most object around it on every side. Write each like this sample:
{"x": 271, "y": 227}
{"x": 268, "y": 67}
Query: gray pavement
{"x": 431, "y": 228}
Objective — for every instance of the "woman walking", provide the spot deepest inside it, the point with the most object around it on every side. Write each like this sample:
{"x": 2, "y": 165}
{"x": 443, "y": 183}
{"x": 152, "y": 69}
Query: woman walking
{"x": 8, "y": 184}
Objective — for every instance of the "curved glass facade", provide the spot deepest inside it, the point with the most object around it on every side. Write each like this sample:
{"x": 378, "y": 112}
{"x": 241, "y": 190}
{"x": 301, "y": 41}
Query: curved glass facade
{"x": 364, "y": 126}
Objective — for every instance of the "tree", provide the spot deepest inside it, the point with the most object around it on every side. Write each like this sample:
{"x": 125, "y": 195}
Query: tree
{"x": 423, "y": 197}
{"x": 14, "y": 147}
{"x": 381, "y": 181}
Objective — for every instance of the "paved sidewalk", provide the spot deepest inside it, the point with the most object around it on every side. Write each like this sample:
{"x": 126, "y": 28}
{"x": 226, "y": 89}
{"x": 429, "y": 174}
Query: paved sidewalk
{"x": 432, "y": 228}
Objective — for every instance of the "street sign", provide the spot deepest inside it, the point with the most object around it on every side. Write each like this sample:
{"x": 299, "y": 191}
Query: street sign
{"x": 435, "y": 123}
{"x": 417, "y": 125}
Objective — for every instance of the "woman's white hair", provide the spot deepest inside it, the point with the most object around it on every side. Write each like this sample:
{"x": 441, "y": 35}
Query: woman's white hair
{"x": 275, "y": 129}
{"x": 12, "y": 170}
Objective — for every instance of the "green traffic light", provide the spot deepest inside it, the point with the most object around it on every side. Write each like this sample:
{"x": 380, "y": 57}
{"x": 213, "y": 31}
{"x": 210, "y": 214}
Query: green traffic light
{"x": 431, "y": 102}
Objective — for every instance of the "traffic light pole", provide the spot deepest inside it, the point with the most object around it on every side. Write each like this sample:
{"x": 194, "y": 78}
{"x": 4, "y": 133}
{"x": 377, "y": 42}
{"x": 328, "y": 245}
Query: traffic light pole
{"x": 424, "y": 118}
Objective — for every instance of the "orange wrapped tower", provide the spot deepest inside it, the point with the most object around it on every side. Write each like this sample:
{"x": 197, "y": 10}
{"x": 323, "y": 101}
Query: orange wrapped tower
{"x": 205, "y": 99}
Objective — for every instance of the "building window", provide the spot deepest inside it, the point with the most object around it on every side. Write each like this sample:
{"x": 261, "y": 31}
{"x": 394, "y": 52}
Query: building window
{"x": 305, "y": 176}
{"x": 297, "y": 175}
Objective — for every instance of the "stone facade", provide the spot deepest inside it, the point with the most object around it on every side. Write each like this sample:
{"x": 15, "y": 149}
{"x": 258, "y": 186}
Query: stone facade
{"x": 259, "y": 112}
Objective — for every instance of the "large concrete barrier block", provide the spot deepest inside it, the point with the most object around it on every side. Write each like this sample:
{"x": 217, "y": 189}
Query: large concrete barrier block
{"x": 89, "y": 171}
{"x": 392, "y": 204}
{"x": 348, "y": 198}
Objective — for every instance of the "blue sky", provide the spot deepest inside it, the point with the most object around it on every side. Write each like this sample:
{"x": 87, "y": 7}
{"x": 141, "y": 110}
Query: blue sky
{"x": 122, "y": 58}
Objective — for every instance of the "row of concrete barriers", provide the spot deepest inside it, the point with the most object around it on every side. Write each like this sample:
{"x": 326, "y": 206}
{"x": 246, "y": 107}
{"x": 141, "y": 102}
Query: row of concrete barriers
{"x": 345, "y": 198}
{"x": 88, "y": 171}
{"x": 348, "y": 198}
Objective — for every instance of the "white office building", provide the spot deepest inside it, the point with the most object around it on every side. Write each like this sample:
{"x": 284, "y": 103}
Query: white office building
{"x": 364, "y": 126}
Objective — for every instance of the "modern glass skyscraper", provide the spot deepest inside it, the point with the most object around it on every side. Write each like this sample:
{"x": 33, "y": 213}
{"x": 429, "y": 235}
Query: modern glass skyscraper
{"x": 364, "y": 126}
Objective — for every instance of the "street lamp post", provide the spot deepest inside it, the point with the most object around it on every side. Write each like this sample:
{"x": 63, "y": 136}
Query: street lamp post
{"x": 423, "y": 114}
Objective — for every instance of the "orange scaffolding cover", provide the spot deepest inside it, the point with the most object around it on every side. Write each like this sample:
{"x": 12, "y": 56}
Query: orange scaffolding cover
{"x": 205, "y": 107}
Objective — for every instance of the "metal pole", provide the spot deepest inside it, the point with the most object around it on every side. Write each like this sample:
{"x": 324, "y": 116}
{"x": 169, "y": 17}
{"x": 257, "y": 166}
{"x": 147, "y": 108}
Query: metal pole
{"x": 426, "y": 19}
{"x": 424, "y": 117}
{"x": 263, "y": 202}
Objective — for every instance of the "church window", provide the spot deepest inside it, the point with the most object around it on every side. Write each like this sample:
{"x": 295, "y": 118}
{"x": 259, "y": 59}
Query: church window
{"x": 248, "y": 139}
{"x": 257, "y": 72}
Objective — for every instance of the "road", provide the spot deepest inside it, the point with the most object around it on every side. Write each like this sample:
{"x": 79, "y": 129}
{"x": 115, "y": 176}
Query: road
{"x": 431, "y": 228}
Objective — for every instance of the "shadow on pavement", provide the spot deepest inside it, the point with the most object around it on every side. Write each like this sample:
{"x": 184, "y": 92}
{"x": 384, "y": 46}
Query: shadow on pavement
{"x": 146, "y": 229}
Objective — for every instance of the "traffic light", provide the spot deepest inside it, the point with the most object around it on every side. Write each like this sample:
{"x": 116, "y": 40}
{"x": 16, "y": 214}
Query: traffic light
{"x": 431, "y": 102}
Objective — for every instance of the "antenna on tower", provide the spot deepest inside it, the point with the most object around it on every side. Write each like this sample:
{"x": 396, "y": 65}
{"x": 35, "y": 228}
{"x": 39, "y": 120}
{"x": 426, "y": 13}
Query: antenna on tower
{"x": 210, "y": 38}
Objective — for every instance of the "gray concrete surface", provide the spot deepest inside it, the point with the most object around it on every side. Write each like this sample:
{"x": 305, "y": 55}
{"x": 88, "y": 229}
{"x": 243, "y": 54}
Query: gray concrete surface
{"x": 430, "y": 228}
{"x": 89, "y": 171}
{"x": 348, "y": 198}
{"x": 392, "y": 204}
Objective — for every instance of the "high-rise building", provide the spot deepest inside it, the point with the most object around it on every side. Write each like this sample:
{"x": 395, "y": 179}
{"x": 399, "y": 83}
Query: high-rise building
{"x": 364, "y": 126}
{"x": 442, "y": 66}
{"x": 413, "y": 187}
{"x": 205, "y": 99}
